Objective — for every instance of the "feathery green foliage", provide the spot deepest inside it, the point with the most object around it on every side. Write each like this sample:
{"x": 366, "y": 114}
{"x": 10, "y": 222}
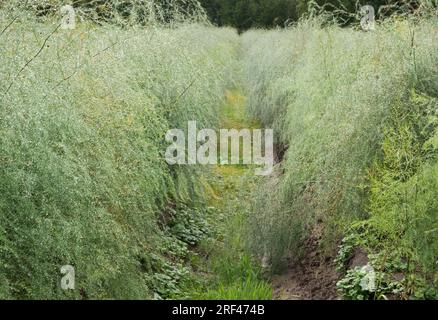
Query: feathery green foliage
{"x": 340, "y": 100}
{"x": 83, "y": 179}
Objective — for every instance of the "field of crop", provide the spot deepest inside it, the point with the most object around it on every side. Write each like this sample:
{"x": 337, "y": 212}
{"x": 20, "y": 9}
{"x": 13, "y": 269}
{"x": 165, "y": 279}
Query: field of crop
{"x": 83, "y": 181}
{"x": 356, "y": 117}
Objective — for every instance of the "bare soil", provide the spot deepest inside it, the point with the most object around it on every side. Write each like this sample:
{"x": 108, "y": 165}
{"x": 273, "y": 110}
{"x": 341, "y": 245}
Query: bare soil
{"x": 314, "y": 277}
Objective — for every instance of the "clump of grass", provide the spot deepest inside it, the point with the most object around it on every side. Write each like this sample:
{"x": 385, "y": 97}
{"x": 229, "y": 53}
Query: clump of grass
{"x": 246, "y": 290}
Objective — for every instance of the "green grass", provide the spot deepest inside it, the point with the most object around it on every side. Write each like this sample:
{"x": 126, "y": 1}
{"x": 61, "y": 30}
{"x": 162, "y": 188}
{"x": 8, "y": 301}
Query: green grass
{"x": 240, "y": 290}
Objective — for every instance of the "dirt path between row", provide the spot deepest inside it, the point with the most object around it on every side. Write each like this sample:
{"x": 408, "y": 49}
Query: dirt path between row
{"x": 313, "y": 278}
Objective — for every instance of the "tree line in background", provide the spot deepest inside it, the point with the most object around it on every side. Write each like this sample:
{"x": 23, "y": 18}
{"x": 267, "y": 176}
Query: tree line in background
{"x": 242, "y": 14}
{"x": 245, "y": 14}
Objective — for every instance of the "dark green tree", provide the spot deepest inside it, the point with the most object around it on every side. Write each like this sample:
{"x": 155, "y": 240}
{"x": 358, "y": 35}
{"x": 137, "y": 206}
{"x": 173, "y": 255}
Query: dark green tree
{"x": 245, "y": 14}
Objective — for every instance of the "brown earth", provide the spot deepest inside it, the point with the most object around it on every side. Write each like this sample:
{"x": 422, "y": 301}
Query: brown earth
{"x": 314, "y": 277}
